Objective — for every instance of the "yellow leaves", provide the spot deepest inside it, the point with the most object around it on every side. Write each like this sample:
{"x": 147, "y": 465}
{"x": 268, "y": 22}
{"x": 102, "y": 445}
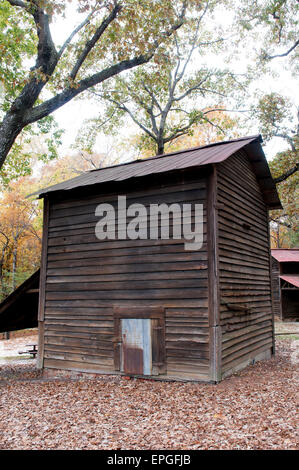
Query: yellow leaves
{"x": 220, "y": 416}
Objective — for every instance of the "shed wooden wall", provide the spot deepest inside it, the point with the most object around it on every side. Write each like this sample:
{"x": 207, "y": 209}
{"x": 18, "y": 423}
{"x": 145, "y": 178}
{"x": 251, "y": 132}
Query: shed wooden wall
{"x": 86, "y": 278}
{"x": 275, "y": 279}
{"x": 290, "y": 304}
{"x": 244, "y": 265}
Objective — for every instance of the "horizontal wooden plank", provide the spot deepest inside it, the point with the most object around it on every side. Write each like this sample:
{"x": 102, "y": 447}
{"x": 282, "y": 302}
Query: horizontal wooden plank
{"x": 129, "y": 294}
{"x": 75, "y": 322}
{"x": 101, "y": 313}
{"x": 145, "y": 196}
{"x": 198, "y": 276}
{"x": 233, "y": 274}
{"x": 123, "y": 285}
{"x": 184, "y": 329}
{"x": 63, "y": 329}
{"x": 91, "y": 266}
{"x": 231, "y": 268}
{"x": 131, "y": 259}
{"x": 248, "y": 240}
{"x": 227, "y": 242}
{"x": 173, "y": 226}
{"x": 72, "y": 216}
{"x": 172, "y": 315}
{"x": 187, "y": 354}
{"x": 183, "y": 321}
{"x": 191, "y": 197}
{"x": 258, "y": 334}
{"x": 78, "y": 365}
{"x": 88, "y": 334}
{"x": 188, "y": 313}
{"x": 259, "y": 345}
{"x": 167, "y": 303}
{"x": 52, "y": 342}
{"x": 238, "y": 254}
{"x": 187, "y": 345}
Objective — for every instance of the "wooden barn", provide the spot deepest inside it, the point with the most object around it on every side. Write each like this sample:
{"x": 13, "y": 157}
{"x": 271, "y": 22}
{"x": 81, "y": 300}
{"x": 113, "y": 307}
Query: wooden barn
{"x": 285, "y": 283}
{"x": 150, "y": 307}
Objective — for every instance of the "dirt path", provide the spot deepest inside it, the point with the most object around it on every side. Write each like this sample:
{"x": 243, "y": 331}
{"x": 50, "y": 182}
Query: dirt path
{"x": 9, "y": 349}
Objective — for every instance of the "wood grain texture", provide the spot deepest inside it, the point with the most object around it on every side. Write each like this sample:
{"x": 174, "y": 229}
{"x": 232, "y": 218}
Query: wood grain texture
{"x": 42, "y": 285}
{"x": 90, "y": 283}
{"x": 244, "y": 260}
{"x": 275, "y": 271}
{"x": 213, "y": 277}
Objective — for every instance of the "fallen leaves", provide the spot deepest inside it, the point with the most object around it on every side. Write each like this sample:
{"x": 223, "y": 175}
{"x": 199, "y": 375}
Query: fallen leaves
{"x": 254, "y": 409}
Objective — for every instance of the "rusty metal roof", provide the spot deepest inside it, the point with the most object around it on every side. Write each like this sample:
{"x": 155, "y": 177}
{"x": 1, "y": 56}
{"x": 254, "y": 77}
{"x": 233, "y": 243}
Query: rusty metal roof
{"x": 291, "y": 279}
{"x": 190, "y": 158}
{"x": 286, "y": 255}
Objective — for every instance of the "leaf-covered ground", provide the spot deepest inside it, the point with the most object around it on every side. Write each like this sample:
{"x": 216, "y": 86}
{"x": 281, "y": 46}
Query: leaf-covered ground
{"x": 254, "y": 409}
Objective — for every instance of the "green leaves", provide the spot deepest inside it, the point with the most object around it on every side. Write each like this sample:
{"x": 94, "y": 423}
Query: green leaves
{"x": 39, "y": 142}
{"x": 169, "y": 96}
{"x": 114, "y": 36}
{"x": 17, "y": 45}
{"x": 275, "y": 24}
{"x": 273, "y": 112}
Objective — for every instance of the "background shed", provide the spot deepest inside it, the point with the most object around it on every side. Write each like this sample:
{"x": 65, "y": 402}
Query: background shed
{"x": 19, "y": 310}
{"x": 285, "y": 279}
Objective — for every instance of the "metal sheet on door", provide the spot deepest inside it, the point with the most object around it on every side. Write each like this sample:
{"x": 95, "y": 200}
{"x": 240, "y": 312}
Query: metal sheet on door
{"x": 136, "y": 357}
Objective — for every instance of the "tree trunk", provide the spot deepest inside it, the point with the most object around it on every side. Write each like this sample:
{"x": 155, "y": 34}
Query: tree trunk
{"x": 14, "y": 267}
{"x": 10, "y": 128}
{"x": 160, "y": 147}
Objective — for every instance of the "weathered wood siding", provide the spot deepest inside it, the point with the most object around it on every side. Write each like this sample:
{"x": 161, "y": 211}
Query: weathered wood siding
{"x": 275, "y": 280}
{"x": 244, "y": 265}
{"x": 87, "y": 278}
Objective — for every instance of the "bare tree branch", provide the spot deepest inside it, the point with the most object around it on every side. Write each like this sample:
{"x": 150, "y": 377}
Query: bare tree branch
{"x": 286, "y": 175}
{"x": 92, "y": 42}
{"x": 287, "y": 138}
{"x": 74, "y": 32}
{"x": 269, "y": 57}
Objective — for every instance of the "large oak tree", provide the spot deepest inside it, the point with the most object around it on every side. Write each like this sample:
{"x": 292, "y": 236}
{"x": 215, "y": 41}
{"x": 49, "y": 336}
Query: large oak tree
{"x": 114, "y": 35}
{"x": 179, "y": 91}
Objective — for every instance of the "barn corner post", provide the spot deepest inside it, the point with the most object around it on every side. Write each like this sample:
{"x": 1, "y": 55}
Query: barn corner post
{"x": 271, "y": 284}
{"x": 42, "y": 286}
{"x": 213, "y": 273}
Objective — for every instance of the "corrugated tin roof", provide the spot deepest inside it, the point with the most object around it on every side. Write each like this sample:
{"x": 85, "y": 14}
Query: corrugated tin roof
{"x": 286, "y": 255}
{"x": 195, "y": 157}
{"x": 292, "y": 279}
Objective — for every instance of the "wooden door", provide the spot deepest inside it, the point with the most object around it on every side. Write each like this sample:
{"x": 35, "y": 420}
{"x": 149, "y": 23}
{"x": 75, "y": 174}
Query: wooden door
{"x": 136, "y": 351}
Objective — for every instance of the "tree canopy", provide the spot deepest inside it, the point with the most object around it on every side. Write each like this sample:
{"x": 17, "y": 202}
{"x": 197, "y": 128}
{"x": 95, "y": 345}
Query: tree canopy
{"x": 114, "y": 35}
{"x": 275, "y": 22}
{"x": 176, "y": 92}
{"x": 167, "y": 65}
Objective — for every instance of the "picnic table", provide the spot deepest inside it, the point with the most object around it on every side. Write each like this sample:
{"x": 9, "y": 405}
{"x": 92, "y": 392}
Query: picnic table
{"x": 33, "y": 351}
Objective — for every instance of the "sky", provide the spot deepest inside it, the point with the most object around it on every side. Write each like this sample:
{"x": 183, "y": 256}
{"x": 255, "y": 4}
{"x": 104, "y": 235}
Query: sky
{"x": 71, "y": 116}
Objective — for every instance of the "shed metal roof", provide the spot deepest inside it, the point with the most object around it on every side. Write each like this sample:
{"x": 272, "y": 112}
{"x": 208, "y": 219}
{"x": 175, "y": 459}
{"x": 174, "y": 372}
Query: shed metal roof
{"x": 291, "y": 279}
{"x": 19, "y": 309}
{"x": 286, "y": 255}
{"x": 190, "y": 158}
